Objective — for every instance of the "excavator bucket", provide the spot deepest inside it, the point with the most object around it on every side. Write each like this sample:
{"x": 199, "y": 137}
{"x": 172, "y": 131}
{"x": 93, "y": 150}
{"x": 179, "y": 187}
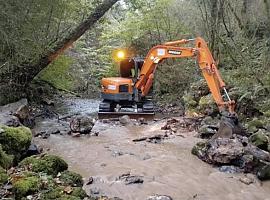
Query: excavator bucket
{"x": 229, "y": 125}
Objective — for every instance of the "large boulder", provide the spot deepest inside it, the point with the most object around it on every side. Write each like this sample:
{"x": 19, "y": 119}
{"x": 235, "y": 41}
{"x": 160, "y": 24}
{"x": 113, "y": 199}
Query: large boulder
{"x": 49, "y": 164}
{"x": 16, "y": 114}
{"x": 15, "y": 140}
{"x": 81, "y": 124}
{"x": 219, "y": 151}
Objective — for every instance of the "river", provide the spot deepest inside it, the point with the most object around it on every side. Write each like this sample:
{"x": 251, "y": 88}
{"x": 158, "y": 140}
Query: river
{"x": 166, "y": 168}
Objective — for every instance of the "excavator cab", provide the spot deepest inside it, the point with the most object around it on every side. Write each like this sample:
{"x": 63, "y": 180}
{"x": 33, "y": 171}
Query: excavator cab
{"x": 119, "y": 93}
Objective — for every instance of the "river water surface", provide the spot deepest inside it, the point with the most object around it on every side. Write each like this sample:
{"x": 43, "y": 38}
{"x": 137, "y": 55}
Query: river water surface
{"x": 167, "y": 168}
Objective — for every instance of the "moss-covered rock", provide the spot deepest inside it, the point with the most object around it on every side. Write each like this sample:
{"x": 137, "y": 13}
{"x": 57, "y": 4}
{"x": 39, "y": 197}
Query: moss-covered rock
{"x": 26, "y": 186}
{"x": 15, "y": 141}
{"x": 71, "y": 178}
{"x": 199, "y": 149}
{"x": 49, "y": 164}
{"x": 189, "y": 101}
{"x": 199, "y": 88}
{"x": 3, "y": 176}
{"x": 207, "y": 131}
{"x": 5, "y": 159}
{"x": 260, "y": 139}
{"x": 207, "y": 105}
{"x": 255, "y": 124}
{"x": 263, "y": 172}
{"x": 76, "y": 193}
{"x": 79, "y": 192}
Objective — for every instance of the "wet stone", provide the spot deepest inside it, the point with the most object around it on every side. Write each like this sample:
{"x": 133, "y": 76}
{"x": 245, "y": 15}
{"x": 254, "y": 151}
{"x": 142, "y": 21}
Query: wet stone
{"x": 159, "y": 197}
{"x": 129, "y": 179}
{"x": 33, "y": 150}
{"x": 246, "y": 180}
{"x": 207, "y": 131}
{"x": 124, "y": 120}
{"x": 230, "y": 169}
{"x": 90, "y": 181}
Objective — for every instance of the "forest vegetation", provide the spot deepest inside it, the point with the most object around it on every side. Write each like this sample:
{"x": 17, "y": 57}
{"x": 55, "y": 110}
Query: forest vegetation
{"x": 68, "y": 45}
{"x": 237, "y": 33}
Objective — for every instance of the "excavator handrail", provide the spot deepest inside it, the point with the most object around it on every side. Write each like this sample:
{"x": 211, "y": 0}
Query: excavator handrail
{"x": 206, "y": 63}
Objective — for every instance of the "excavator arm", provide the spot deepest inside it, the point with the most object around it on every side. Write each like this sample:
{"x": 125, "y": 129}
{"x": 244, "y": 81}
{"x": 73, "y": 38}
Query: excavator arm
{"x": 206, "y": 63}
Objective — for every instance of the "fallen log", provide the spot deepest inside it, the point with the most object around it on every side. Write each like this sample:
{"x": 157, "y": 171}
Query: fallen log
{"x": 14, "y": 80}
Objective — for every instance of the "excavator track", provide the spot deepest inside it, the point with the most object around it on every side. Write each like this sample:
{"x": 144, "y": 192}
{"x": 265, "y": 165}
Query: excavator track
{"x": 132, "y": 115}
{"x": 107, "y": 111}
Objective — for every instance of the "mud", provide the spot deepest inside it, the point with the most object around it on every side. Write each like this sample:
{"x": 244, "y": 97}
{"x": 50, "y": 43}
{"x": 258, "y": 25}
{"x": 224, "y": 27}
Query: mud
{"x": 166, "y": 168}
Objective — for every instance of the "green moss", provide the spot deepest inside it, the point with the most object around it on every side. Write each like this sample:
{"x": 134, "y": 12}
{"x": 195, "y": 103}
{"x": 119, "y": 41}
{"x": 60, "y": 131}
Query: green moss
{"x": 3, "y": 176}
{"x": 5, "y": 159}
{"x": 58, "y": 193}
{"x": 53, "y": 193}
{"x": 49, "y": 164}
{"x": 207, "y": 102}
{"x": 57, "y": 73}
{"x": 79, "y": 192}
{"x": 26, "y": 186}
{"x": 267, "y": 113}
{"x": 256, "y": 123}
{"x": 71, "y": 178}
{"x": 260, "y": 140}
{"x": 189, "y": 101}
{"x": 15, "y": 141}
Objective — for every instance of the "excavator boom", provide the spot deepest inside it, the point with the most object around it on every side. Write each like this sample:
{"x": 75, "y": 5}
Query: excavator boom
{"x": 206, "y": 63}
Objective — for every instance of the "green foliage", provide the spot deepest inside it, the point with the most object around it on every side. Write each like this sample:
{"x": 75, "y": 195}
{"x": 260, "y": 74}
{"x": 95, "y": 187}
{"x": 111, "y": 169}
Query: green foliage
{"x": 26, "y": 186}
{"x": 71, "y": 178}
{"x": 3, "y": 176}
{"x": 58, "y": 73}
{"x": 260, "y": 139}
{"x": 49, "y": 164}
{"x": 5, "y": 159}
{"x": 57, "y": 193}
{"x": 15, "y": 140}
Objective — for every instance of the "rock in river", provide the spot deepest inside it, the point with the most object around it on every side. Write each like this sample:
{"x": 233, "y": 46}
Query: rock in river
{"x": 159, "y": 197}
{"x": 81, "y": 124}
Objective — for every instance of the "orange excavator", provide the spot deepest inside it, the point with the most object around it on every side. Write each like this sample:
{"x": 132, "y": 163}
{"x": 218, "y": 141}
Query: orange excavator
{"x": 130, "y": 93}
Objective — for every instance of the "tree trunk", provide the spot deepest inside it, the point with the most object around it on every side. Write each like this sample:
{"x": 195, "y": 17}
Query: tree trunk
{"x": 15, "y": 79}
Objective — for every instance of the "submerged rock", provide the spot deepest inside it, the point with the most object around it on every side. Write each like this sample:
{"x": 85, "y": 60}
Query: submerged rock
{"x": 130, "y": 179}
{"x": 159, "y": 197}
{"x": 49, "y": 164}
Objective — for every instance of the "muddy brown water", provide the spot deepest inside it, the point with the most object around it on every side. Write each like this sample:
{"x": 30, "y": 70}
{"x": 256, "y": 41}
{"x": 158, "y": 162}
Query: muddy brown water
{"x": 167, "y": 168}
